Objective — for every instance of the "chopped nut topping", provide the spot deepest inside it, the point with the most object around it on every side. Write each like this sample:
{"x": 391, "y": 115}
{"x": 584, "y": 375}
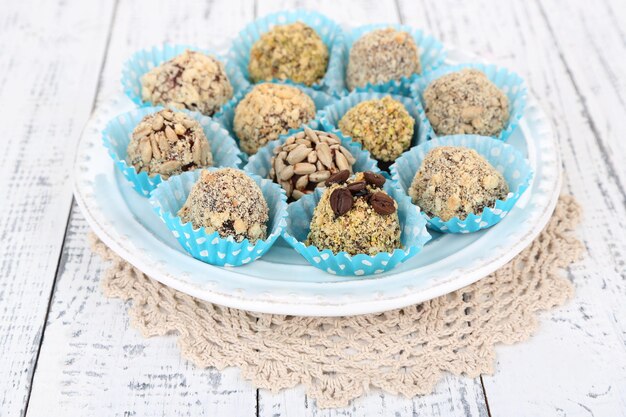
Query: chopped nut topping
{"x": 466, "y": 102}
{"x": 356, "y": 218}
{"x": 191, "y": 80}
{"x": 229, "y": 202}
{"x": 267, "y": 112}
{"x": 295, "y": 52}
{"x": 456, "y": 181}
{"x": 383, "y": 126}
{"x": 380, "y": 56}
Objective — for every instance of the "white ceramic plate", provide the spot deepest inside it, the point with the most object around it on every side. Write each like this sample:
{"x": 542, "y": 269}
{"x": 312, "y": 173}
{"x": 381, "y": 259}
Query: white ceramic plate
{"x": 282, "y": 282}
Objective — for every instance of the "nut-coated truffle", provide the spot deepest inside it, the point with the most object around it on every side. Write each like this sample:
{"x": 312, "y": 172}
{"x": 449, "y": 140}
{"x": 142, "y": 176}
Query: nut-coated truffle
{"x": 355, "y": 217}
{"x": 466, "y": 102}
{"x": 229, "y": 202}
{"x": 381, "y": 56}
{"x": 383, "y": 126}
{"x": 307, "y": 159}
{"x": 167, "y": 143}
{"x": 191, "y": 80}
{"x": 267, "y": 112}
{"x": 456, "y": 181}
{"x": 289, "y": 52}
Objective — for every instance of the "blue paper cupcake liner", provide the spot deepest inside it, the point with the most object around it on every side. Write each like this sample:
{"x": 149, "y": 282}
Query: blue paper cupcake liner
{"x": 431, "y": 52}
{"x": 143, "y": 61}
{"x": 260, "y": 163}
{"x": 505, "y": 158}
{"x": 332, "y": 114}
{"x": 118, "y": 131}
{"x": 227, "y": 115}
{"x": 413, "y": 238}
{"x": 509, "y": 82}
{"x": 327, "y": 29}
{"x": 171, "y": 195}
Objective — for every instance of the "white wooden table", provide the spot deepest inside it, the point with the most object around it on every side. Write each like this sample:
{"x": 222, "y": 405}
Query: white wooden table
{"x": 66, "y": 350}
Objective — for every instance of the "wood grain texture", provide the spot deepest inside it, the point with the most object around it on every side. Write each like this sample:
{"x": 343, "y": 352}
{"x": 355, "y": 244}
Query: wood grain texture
{"x": 49, "y": 67}
{"x": 89, "y": 351}
{"x": 92, "y": 362}
{"x": 454, "y": 396}
{"x": 576, "y": 365}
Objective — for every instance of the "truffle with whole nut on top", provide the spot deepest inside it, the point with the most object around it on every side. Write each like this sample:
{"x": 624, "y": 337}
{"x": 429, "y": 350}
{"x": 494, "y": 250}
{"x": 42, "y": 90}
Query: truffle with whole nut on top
{"x": 168, "y": 143}
{"x": 268, "y": 111}
{"x": 307, "y": 159}
{"x": 381, "y": 56}
{"x": 454, "y": 181}
{"x": 466, "y": 102}
{"x": 355, "y": 216}
{"x": 229, "y": 202}
{"x": 289, "y": 52}
{"x": 383, "y": 126}
{"x": 191, "y": 80}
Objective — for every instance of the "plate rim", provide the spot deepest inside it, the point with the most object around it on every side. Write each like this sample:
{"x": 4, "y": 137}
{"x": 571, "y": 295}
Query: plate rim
{"x": 316, "y": 306}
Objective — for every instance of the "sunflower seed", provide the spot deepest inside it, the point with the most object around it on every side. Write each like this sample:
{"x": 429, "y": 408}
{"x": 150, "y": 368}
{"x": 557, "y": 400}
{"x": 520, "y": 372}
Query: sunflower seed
{"x": 298, "y": 154}
{"x": 319, "y": 176}
{"x": 302, "y": 182}
{"x": 157, "y": 122}
{"x": 286, "y": 173}
{"x": 324, "y": 154}
{"x": 341, "y": 161}
{"x": 303, "y": 168}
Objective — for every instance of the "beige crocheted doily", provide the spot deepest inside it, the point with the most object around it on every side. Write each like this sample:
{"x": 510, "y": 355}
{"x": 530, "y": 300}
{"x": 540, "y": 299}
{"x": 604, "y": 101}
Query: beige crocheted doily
{"x": 403, "y": 351}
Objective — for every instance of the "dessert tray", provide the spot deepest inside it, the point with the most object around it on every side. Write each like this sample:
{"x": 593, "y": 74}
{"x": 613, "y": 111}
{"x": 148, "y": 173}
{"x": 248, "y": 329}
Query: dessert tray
{"x": 282, "y": 282}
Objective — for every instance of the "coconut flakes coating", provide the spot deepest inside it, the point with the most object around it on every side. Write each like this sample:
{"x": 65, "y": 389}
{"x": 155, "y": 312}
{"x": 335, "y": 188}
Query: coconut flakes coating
{"x": 168, "y": 143}
{"x": 456, "y": 181}
{"x": 294, "y": 52}
{"x": 229, "y": 202}
{"x": 466, "y": 102}
{"x": 360, "y": 230}
{"x": 380, "y": 56}
{"x": 383, "y": 126}
{"x": 191, "y": 80}
{"x": 267, "y": 112}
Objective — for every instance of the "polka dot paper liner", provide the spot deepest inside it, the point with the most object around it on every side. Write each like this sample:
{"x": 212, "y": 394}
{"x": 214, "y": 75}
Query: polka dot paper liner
{"x": 171, "y": 195}
{"x": 146, "y": 59}
{"x": 118, "y": 132}
{"x": 504, "y": 158}
{"x": 413, "y": 237}
{"x": 509, "y": 82}
{"x": 431, "y": 51}
{"x": 328, "y": 30}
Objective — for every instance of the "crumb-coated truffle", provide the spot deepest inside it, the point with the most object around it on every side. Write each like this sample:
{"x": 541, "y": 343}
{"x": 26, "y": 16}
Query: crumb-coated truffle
{"x": 456, "y": 181}
{"x": 306, "y": 160}
{"x": 356, "y": 217}
{"x": 268, "y": 111}
{"x": 380, "y": 56}
{"x": 466, "y": 102}
{"x": 383, "y": 126}
{"x": 229, "y": 202}
{"x": 289, "y": 52}
{"x": 190, "y": 80}
{"x": 167, "y": 143}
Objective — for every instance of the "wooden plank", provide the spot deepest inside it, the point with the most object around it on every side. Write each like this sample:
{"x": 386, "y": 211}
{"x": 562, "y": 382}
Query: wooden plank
{"x": 454, "y": 396}
{"x": 591, "y": 57}
{"x": 93, "y": 362}
{"x": 575, "y": 365}
{"x": 49, "y": 67}
{"x": 90, "y": 355}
